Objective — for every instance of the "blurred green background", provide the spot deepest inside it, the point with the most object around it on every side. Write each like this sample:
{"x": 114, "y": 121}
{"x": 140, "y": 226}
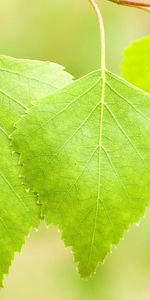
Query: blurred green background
{"x": 66, "y": 31}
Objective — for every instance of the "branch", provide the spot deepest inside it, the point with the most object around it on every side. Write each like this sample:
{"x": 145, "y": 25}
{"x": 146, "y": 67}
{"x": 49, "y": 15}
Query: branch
{"x": 136, "y": 4}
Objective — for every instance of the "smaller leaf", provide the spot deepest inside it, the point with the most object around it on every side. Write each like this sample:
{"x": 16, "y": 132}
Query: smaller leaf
{"x": 21, "y": 81}
{"x": 136, "y": 63}
{"x": 24, "y": 80}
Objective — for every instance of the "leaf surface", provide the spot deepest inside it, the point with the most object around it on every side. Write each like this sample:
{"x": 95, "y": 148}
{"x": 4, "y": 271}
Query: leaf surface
{"x": 136, "y": 63}
{"x": 86, "y": 151}
{"x": 21, "y": 81}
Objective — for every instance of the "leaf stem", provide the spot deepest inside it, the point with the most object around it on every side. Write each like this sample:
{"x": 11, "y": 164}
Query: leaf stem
{"x": 102, "y": 35}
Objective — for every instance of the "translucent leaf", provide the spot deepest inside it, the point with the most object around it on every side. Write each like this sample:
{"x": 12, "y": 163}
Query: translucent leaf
{"x": 21, "y": 81}
{"x": 86, "y": 151}
{"x": 136, "y": 63}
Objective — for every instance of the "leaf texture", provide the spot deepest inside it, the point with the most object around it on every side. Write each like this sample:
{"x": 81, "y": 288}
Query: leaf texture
{"x": 136, "y": 63}
{"x": 86, "y": 152}
{"x": 21, "y": 81}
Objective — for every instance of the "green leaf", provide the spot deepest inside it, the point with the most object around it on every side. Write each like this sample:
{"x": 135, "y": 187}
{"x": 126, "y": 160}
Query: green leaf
{"x": 21, "y": 81}
{"x": 86, "y": 152}
{"x": 136, "y": 63}
{"x": 18, "y": 209}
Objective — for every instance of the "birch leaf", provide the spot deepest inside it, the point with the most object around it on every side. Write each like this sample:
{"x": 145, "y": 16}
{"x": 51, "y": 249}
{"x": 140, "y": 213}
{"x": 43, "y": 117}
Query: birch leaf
{"x": 136, "y": 63}
{"x": 21, "y": 81}
{"x": 86, "y": 151}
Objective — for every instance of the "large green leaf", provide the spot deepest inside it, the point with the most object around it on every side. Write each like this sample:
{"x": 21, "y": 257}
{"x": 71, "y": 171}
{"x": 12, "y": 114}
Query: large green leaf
{"x": 21, "y": 81}
{"x": 85, "y": 150}
{"x": 136, "y": 63}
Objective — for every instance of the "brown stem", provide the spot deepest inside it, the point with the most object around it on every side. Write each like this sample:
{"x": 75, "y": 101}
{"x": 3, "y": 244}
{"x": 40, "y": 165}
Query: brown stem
{"x": 144, "y": 8}
{"x": 147, "y": 9}
{"x": 134, "y": 3}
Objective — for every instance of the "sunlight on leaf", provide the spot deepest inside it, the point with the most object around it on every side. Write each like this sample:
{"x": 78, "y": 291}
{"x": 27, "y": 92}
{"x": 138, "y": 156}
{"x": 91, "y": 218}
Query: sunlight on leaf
{"x": 89, "y": 162}
{"x": 21, "y": 81}
{"x": 136, "y": 63}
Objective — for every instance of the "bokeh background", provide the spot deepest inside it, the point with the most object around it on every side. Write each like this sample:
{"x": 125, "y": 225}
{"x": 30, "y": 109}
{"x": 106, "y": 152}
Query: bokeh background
{"x": 66, "y": 32}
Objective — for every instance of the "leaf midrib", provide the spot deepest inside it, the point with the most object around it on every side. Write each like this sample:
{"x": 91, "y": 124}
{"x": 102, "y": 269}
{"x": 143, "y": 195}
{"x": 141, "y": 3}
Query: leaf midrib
{"x": 102, "y": 102}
